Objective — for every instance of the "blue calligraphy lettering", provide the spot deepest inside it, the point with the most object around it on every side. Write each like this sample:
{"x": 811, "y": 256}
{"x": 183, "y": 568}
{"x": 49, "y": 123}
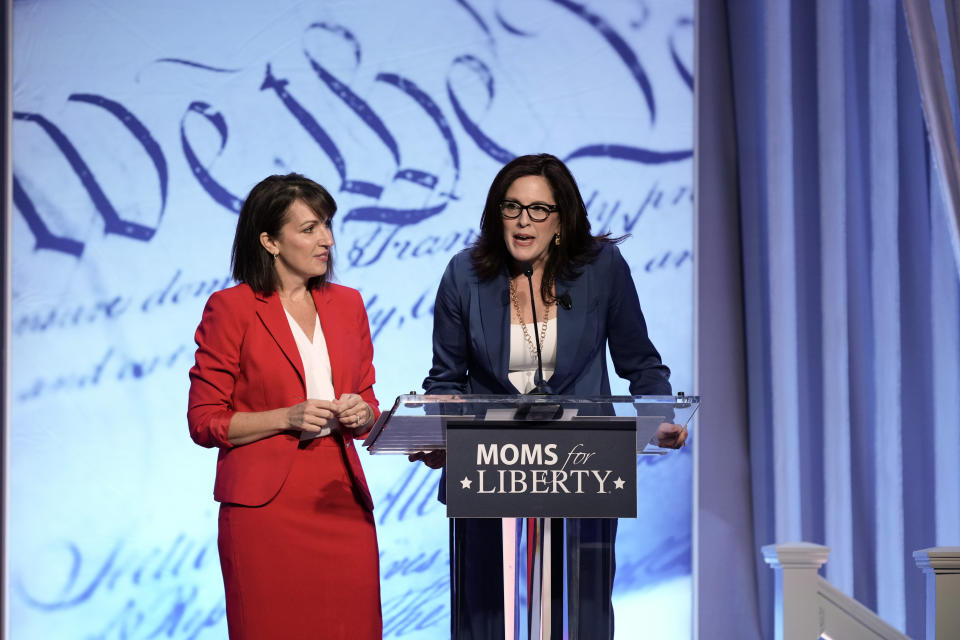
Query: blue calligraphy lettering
{"x": 216, "y": 191}
{"x": 113, "y": 223}
{"x": 319, "y": 135}
{"x": 621, "y": 48}
{"x": 484, "y": 142}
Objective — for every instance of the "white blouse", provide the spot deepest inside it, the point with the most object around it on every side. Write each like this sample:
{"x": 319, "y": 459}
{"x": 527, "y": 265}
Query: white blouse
{"x": 523, "y": 363}
{"x": 316, "y": 367}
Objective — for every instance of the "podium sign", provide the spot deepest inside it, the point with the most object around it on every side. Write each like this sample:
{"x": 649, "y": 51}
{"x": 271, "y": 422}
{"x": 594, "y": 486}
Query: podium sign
{"x": 583, "y": 469}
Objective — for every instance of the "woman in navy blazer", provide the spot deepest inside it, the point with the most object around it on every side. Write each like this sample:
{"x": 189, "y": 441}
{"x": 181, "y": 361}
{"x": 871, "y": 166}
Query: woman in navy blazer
{"x": 535, "y": 219}
{"x": 283, "y": 383}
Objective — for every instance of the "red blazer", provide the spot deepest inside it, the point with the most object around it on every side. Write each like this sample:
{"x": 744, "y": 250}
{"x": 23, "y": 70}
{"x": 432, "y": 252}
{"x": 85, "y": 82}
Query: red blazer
{"x": 247, "y": 360}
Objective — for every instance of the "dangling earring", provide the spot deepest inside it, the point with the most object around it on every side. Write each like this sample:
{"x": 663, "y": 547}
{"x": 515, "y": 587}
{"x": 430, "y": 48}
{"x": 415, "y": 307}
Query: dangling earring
{"x": 556, "y": 239}
{"x": 275, "y": 255}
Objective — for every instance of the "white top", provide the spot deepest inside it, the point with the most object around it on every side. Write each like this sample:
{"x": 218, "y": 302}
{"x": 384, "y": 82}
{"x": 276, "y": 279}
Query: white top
{"x": 523, "y": 363}
{"x": 316, "y": 367}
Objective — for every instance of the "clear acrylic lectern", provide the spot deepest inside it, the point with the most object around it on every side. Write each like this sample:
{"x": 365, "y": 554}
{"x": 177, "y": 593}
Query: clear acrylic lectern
{"x": 540, "y": 458}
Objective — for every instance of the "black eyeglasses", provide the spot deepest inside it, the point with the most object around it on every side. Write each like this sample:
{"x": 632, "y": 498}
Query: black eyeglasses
{"x": 537, "y": 211}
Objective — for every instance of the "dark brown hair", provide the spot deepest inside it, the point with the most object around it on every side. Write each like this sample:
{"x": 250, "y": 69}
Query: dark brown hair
{"x": 265, "y": 210}
{"x": 577, "y": 246}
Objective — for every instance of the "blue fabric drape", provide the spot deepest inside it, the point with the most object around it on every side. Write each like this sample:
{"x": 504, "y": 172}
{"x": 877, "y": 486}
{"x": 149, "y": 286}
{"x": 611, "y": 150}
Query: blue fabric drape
{"x": 849, "y": 294}
{"x": 724, "y": 549}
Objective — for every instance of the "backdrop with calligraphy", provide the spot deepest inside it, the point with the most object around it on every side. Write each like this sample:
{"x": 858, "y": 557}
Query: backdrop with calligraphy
{"x": 138, "y": 129}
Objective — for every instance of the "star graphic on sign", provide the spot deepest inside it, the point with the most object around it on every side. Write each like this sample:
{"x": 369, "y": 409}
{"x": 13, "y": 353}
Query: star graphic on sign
{"x": 465, "y": 483}
{"x": 618, "y": 483}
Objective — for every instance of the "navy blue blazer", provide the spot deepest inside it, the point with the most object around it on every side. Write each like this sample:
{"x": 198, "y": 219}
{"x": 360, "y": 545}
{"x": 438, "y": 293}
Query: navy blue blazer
{"x": 471, "y": 324}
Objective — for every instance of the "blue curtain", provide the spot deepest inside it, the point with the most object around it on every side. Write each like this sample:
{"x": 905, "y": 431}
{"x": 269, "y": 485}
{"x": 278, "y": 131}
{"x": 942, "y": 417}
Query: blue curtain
{"x": 848, "y": 293}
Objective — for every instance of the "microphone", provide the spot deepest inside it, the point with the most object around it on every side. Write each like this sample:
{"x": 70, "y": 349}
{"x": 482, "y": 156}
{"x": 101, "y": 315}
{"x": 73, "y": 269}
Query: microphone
{"x": 538, "y": 389}
{"x": 565, "y": 301}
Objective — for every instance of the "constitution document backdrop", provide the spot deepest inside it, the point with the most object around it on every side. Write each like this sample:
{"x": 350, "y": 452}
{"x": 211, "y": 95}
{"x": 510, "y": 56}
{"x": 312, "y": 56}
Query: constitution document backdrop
{"x": 138, "y": 129}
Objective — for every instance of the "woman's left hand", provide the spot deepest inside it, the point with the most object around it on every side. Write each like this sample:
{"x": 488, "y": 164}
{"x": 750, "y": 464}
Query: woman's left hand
{"x": 670, "y": 436}
{"x": 353, "y": 412}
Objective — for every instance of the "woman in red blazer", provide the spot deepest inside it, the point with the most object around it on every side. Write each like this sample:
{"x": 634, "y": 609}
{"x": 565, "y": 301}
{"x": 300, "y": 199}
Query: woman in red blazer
{"x": 283, "y": 383}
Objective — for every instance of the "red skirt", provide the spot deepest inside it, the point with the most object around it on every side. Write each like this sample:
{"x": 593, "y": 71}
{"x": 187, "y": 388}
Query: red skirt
{"x": 304, "y": 565}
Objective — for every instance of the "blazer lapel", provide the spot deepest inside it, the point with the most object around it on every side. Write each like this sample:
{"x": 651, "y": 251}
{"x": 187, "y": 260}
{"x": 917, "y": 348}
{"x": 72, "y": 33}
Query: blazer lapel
{"x": 571, "y": 327}
{"x": 338, "y": 341}
{"x": 494, "y": 300}
{"x": 330, "y": 324}
{"x": 271, "y": 313}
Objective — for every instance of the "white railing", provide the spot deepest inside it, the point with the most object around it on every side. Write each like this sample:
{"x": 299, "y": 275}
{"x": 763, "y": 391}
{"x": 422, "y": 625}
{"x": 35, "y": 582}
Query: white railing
{"x": 808, "y": 607}
{"x": 941, "y": 566}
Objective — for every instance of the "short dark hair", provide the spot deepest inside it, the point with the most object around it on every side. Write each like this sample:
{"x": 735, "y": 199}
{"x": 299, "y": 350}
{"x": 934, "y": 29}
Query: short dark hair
{"x": 577, "y": 246}
{"x": 266, "y": 211}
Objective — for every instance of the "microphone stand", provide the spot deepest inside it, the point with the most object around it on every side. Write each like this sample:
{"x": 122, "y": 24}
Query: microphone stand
{"x": 538, "y": 387}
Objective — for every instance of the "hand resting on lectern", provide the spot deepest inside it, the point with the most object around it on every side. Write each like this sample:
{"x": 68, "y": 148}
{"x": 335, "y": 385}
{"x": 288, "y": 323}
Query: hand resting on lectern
{"x": 670, "y": 436}
{"x": 433, "y": 459}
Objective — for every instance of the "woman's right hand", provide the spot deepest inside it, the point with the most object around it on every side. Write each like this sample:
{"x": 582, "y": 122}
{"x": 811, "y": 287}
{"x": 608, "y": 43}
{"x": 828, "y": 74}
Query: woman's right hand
{"x": 310, "y": 415}
{"x": 433, "y": 459}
